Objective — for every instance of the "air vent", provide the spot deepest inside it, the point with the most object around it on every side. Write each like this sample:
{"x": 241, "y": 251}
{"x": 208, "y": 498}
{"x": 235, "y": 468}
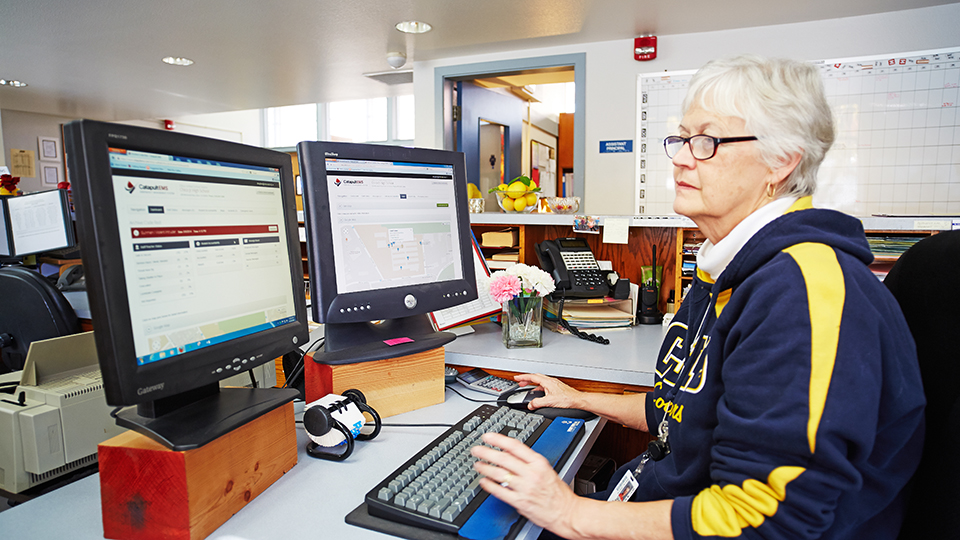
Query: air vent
{"x": 82, "y": 462}
{"x": 402, "y": 76}
{"x": 84, "y": 390}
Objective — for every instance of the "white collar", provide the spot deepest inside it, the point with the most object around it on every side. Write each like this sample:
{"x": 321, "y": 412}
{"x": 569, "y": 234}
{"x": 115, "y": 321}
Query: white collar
{"x": 714, "y": 258}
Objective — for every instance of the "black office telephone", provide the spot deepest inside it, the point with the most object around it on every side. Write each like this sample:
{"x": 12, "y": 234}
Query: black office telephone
{"x": 573, "y": 267}
{"x": 577, "y": 275}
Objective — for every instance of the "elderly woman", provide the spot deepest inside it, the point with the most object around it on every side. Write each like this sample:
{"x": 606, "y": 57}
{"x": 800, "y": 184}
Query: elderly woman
{"x": 787, "y": 401}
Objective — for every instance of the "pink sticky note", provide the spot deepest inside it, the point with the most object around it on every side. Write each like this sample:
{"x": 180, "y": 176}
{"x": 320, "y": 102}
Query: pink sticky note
{"x": 397, "y": 341}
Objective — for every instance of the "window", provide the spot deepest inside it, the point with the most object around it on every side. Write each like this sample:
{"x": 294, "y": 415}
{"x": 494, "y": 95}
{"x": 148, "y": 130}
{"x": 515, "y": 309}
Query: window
{"x": 286, "y": 126}
{"x": 405, "y": 118}
{"x": 378, "y": 120}
{"x": 361, "y": 120}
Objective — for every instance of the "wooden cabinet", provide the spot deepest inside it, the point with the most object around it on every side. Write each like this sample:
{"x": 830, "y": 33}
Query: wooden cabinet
{"x": 627, "y": 259}
{"x": 886, "y": 245}
{"x": 688, "y": 244}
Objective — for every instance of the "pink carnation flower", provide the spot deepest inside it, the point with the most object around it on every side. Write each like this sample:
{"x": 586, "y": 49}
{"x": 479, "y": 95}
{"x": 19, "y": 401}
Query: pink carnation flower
{"x": 504, "y": 287}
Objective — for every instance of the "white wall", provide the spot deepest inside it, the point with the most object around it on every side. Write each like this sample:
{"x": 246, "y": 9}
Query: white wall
{"x": 237, "y": 126}
{"x": 611, "y": 91}
{"x": 20, "y": 130}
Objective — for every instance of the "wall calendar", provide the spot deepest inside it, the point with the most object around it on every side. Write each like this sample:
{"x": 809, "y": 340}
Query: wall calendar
{"x": 897, "y": 146}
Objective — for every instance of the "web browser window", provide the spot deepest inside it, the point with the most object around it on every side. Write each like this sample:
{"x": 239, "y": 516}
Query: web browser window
{"x": 394, "y": 224}
{"x": 204, "y": 251}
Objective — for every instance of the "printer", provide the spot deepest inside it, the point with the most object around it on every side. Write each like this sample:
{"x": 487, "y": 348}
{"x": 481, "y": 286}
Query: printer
{"x": 57, "y": 415}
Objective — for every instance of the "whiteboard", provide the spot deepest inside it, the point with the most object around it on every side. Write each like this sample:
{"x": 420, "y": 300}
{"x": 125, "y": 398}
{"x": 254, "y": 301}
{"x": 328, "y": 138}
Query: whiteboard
{"x": 897, "y": 147}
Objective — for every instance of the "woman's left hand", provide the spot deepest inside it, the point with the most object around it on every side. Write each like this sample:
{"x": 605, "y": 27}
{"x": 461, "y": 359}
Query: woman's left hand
{"x": 525, "y": 480}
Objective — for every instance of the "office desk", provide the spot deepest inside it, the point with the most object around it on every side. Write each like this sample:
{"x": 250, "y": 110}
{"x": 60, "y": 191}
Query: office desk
{"x": 629, "y": 359}
{"x": 310, "y": 501}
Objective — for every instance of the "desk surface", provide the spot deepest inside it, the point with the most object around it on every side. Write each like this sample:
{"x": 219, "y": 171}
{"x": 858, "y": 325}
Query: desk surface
{"x": 310, "y": 501}
{"x": 630, "y": 358}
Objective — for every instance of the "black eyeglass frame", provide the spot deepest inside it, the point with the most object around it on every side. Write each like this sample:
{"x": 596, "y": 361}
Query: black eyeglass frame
{"x": 717, "y": 141}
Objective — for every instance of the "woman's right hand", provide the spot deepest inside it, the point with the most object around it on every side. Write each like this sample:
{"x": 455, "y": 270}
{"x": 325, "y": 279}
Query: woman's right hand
{"x": 558, "y": 394}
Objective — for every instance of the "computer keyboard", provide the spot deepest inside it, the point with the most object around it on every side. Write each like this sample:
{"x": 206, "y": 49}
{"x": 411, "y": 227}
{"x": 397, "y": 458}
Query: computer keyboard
{"x": 438, "y": 488}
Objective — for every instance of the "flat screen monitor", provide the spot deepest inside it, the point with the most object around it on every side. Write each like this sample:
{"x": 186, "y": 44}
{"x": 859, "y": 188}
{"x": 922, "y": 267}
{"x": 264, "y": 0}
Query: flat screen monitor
{"x": 388, "y": 241}
{"x": 194, "y": 274}
{"x": 35, "y": 223}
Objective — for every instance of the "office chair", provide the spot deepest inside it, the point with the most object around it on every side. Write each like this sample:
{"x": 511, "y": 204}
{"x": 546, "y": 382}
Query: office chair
{"x": 926, "y": 284}
{"x": 32, "y": 309}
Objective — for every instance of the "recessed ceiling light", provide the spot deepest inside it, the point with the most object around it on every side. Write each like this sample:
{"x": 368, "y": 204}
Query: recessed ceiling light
{"x": 177, "y": 61}
{"x": 413, "y": 27}
{"x": 13, "y": 83}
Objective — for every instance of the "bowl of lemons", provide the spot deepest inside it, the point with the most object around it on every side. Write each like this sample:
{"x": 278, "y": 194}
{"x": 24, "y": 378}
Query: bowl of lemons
{"x": 520, "y": 196}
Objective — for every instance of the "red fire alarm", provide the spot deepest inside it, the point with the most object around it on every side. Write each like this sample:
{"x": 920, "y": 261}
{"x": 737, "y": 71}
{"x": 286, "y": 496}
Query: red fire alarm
{"x": 645, "y": 48}
{"x": 169, "y": 125}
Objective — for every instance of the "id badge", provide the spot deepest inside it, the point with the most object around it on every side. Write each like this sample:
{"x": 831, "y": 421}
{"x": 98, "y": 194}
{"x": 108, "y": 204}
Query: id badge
{"x": 625, "y": 488}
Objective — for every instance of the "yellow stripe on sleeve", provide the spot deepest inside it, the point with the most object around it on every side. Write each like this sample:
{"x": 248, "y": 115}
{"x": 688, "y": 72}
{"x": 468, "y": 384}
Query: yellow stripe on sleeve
{"x": 825, "y": 297}
{"x": 726, "y": 511}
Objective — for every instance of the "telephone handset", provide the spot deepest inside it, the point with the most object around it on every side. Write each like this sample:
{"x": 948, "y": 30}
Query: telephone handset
{"x": 573, "y": 267}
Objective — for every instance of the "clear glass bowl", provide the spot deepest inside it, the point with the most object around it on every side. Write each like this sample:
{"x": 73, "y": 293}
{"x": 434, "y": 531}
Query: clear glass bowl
{"x": 563, "y": 205}
{"x": 509, "y": 204}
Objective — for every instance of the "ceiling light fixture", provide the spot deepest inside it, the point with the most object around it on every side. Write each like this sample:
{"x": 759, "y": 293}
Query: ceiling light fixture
{"x": 177, "y": 61}
{"x": 12, "y": 83}
{"x": 413, "y": 27}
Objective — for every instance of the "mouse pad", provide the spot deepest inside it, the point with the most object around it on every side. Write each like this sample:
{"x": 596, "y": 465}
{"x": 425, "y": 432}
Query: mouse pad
{"x": 360, "y": 517}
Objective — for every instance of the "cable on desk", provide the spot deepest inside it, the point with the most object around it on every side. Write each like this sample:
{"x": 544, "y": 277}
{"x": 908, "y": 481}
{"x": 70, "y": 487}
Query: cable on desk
{"x": 470, "y": 399}
{"x": 398, "y": 425}
{"x": 298, "y": 367}
{"x": 576, "y": 331}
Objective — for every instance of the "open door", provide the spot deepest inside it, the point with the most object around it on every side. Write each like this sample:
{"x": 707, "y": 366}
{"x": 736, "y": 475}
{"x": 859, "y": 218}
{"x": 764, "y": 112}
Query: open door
{"x": 486, "y": 111}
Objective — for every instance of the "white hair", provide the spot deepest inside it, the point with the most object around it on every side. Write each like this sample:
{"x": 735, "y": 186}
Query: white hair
{"x": 781, "y": 102}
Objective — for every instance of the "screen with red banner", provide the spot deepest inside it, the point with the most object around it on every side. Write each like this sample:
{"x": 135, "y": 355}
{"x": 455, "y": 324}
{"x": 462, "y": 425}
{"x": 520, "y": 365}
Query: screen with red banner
{"x": 199, "y": 231}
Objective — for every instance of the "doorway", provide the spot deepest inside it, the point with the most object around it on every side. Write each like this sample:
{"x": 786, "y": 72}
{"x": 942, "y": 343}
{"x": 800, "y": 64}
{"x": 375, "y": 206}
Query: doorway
{"x": 447, "y": 79}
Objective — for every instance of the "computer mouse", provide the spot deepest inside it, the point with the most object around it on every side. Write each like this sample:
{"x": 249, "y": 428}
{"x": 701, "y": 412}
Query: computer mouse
{"x": 518, "y": 398}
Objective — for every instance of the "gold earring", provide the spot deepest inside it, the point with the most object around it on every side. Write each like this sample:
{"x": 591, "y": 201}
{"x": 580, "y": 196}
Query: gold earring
{"x": 771, "y": 190}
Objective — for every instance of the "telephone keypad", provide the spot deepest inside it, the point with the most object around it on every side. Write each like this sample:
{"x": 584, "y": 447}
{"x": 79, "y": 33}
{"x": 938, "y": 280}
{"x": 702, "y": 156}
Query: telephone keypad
{"x": 591, "y": 279}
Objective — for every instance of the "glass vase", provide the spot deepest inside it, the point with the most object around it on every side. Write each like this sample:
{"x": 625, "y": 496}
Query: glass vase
{"x": 523, "y": 322}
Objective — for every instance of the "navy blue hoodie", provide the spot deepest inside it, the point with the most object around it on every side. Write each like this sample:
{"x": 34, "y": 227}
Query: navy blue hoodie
{"x": 792, "y": 389}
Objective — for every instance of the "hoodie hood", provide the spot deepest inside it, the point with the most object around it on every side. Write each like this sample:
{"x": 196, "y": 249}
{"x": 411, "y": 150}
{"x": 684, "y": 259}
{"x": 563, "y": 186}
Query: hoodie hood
{"x": 835, "y": 229}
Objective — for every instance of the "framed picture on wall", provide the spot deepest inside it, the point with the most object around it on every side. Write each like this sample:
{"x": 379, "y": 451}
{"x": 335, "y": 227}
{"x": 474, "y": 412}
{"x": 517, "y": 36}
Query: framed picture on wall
{"x": 49, "y": 148}
{"x": 51, "y": 173}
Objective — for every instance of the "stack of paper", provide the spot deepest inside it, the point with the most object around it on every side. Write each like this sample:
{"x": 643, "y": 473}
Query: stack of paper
{"x": 592, "y": 313}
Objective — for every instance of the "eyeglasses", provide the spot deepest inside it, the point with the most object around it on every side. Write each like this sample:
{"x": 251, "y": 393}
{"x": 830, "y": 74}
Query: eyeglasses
{"x": 702, "y": 147}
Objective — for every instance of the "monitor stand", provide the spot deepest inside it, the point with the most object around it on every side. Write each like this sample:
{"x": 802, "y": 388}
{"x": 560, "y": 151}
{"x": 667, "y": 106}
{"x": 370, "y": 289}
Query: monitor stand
{"x": 351, "y": 343}
{"x": 194, "y": 418}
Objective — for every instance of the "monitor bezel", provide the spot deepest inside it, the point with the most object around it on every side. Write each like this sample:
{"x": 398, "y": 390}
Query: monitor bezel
{"x": 326, "y": 302}
{"x": 65, "y": 217}
{"x": 126, "y": 383}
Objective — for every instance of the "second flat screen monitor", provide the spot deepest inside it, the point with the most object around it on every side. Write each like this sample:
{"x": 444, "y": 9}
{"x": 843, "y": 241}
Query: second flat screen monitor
{"x": 388, "y": 238}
